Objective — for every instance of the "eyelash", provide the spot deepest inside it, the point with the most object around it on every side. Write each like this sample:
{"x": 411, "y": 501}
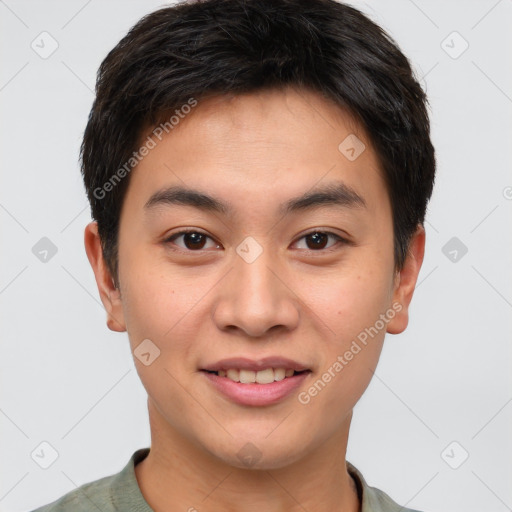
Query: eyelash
{"x": 339, "y": 241}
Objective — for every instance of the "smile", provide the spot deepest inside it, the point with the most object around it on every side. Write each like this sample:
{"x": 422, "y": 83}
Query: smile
{"x": 242, "y": 388}
{"x": 266, "y": 376}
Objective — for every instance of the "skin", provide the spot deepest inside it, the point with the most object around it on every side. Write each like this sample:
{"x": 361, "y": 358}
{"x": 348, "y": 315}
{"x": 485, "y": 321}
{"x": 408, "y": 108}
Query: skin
{"x": 255, "y": 151}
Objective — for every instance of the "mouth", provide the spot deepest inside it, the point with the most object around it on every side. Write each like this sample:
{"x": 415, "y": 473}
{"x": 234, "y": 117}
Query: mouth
{"x": 265, "y": 376}
{"x": 256, "y": 383}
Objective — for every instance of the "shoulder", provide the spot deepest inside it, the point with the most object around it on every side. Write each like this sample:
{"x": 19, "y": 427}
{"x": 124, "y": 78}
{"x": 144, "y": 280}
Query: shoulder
{"x": 88, "y": 497}
{"x": 373, "y": 499}
{"x": 118, "y": 492}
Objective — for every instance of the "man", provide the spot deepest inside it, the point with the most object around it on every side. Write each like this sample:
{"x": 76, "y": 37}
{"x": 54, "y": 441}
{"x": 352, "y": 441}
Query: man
{"x": 258, "y": 173}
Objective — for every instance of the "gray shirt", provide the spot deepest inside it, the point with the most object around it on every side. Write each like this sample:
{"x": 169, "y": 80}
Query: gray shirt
{"x": 121, "y": 493}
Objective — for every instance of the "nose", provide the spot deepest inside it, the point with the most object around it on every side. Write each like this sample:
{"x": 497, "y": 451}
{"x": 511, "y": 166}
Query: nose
{"x": 256, "y": 298}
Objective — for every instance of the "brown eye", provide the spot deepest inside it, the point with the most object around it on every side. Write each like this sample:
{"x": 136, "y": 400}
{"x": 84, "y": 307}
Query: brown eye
{"x": 191, "y": 240}
{"x": 194, "y": 240}
{"x": 318, "y": 240}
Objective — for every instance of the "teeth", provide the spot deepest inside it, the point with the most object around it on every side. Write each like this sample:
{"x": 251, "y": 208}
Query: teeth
{"x": 266, "y": 376}
{"x": 233, "y": 375}
{"x": 279, "y": 373}
{"x": 247, "y": 376}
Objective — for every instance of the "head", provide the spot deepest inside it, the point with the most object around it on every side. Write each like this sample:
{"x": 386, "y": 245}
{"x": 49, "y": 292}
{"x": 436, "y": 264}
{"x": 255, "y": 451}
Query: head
{"x": 302, "y": 139}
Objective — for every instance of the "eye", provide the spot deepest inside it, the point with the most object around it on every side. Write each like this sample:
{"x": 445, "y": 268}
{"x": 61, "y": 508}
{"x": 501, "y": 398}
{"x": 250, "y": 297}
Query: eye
{"x": 193, "y": 240}
{"x": 318, "y": 240}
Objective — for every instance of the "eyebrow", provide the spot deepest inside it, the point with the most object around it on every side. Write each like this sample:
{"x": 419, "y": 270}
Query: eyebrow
{"x": 333, "y": 194}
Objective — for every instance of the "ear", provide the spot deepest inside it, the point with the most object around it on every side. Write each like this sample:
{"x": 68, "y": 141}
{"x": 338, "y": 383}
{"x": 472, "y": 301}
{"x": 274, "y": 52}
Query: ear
{"x": 405, "y": 282}
{"x": 110, "y": 295}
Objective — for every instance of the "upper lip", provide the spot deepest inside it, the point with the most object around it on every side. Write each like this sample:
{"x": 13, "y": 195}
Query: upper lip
{"x": 243, "y": 363}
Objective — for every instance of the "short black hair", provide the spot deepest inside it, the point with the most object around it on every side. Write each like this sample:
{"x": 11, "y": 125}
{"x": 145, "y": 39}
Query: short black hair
{"x": 181, "y": 54}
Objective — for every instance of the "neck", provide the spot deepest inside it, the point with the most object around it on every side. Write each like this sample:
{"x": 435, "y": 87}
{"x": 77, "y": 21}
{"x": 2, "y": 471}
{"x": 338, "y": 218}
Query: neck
{"x": 178, "y": 475}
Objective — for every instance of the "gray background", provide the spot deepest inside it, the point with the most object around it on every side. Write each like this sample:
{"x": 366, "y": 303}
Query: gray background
{"x": 68, "y": 381}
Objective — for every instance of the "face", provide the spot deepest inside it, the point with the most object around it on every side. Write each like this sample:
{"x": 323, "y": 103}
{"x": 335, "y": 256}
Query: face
{"x": 287, "y": 266}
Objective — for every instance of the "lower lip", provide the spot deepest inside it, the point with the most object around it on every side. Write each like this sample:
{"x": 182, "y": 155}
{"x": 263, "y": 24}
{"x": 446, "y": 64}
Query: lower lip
{"x": 256, "y": 394}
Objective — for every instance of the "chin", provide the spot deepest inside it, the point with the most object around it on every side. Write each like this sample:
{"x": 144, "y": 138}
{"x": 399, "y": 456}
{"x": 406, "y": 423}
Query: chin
{"x": 260, "y": 453}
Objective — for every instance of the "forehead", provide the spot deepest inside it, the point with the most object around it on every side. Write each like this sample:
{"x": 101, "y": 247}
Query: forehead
{"x": 260, "y": 147}
{"x": 278, "y": 117}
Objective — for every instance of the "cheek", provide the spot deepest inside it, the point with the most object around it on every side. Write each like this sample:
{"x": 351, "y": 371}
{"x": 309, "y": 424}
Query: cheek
{"x": 163, "y": 304}
{"x": 350, "y": 349}
{"x": 152, "y": 299}
{"x": 352, "y": 307}
{"x": 352, "y": 302}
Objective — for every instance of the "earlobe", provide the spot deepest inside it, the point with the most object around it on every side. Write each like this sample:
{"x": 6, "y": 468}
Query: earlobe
{"x": 109, "y": 294}
{"x": 405, "y": 282}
